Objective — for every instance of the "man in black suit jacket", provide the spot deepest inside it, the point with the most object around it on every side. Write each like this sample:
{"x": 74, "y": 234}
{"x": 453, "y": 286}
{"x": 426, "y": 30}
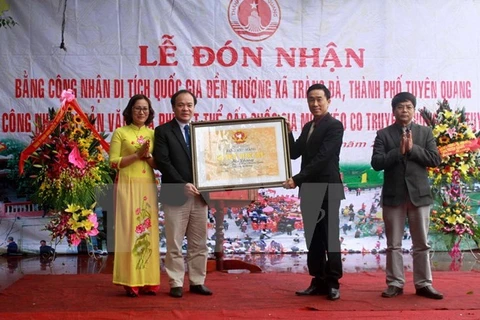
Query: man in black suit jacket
{"x": 185, "y": 208}
{"x": 403, "y": 151}
{"x": 12, "y": 247}
{"x": 321, "y": 191}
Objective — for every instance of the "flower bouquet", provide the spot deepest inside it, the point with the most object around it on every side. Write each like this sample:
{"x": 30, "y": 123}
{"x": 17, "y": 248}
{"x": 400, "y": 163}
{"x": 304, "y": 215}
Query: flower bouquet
{"x": 452, "y": 216}
{"x": 67, "y": 164}
{"x": 457, "y": 143}
{"x": 74, "y": 223}
{"x": 458, "y": 146}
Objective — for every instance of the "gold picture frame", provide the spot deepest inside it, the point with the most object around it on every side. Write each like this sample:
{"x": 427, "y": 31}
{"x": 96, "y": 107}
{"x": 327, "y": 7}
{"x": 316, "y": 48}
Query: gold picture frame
{"x": 240, "y": 154}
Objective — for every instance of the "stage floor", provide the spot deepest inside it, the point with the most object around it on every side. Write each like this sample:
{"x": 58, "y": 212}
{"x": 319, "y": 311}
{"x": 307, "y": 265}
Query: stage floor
{"x": 258, "y": 296}
{"x": 14, "y": 268}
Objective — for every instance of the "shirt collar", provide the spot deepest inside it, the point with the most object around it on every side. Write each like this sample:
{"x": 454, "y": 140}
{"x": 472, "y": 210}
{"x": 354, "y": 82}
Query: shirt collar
{"x": 400, "y": 127}
{"x": 181, "y": 124}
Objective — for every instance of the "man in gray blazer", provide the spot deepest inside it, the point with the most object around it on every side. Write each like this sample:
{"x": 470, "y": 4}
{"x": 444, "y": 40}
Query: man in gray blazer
{"x": 403, "y": 151}
{"x": 185, "y": 208}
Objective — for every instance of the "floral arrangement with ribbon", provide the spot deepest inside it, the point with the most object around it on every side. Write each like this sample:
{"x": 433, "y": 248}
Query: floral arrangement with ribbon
{"x": 67, "y": 163}
{"x": 457, "y": 143}
{"x": 458, "y": 146}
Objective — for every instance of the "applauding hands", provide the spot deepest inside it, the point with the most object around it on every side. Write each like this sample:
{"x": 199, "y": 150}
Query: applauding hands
{"x": 406, "y": 143}
{"x": 142, "y": 152}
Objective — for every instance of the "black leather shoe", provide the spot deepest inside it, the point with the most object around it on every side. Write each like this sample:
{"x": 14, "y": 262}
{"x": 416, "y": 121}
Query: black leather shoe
{"x": 314, "y": 289}
{"x": 333, "y": 294}
{"x": 392, "y": 291}
{"x": 429, "y": 292}
{"x": 176, "y": 292}
{"x": 201, "y": 289}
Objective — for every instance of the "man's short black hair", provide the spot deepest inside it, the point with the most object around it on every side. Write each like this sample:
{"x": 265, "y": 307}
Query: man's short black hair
{"x": 319, "y": 86}
{"x": 403, "y": 97}
{"x": 176, "y": 94}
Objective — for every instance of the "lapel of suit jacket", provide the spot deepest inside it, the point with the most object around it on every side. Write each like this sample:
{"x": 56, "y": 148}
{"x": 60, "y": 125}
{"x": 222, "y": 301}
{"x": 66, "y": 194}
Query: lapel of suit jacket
{"x": 177, "y": 132}
{"x": 416, "y": 133}
{"x": 395, "y": 133}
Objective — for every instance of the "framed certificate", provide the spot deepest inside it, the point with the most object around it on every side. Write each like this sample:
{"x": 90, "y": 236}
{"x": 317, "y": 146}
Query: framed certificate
{"x": 240, "y": 154}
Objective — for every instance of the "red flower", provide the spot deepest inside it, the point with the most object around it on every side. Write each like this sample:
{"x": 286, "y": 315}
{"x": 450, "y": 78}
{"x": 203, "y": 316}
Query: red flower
{"x": 147, "y": 223}
{"x": 140, "y": 228}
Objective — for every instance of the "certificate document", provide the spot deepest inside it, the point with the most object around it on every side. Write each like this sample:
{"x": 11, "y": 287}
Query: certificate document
{"x": 240, "y": 154}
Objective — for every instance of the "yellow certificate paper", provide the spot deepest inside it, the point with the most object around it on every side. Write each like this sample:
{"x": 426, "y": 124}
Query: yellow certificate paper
{"x": 240, "y": 154}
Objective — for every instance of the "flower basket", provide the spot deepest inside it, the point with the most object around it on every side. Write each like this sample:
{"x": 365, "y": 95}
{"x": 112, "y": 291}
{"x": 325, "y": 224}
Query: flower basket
{"x": 67, "y": 164}
{"x": 453, "y": 224}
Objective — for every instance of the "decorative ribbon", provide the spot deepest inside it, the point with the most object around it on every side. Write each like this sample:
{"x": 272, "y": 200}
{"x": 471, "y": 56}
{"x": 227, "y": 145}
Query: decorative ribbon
{"x": 67, "y": 99}
{"x": 459, "y": 147}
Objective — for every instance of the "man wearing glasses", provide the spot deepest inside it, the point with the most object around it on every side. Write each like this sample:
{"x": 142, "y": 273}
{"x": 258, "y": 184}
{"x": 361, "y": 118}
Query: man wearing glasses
{"x": 403, "y": 151}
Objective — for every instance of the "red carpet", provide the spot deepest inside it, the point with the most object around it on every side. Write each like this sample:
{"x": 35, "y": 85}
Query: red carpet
{"x": 240, "y": 296}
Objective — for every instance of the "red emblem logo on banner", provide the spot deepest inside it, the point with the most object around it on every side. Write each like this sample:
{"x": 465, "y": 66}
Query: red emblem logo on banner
{"x": 254, "y": 20}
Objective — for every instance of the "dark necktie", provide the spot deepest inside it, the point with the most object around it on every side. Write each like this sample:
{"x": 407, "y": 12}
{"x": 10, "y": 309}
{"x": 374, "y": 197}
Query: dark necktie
{"x": 312, "y": 127}
{"x": 187, "y": 135}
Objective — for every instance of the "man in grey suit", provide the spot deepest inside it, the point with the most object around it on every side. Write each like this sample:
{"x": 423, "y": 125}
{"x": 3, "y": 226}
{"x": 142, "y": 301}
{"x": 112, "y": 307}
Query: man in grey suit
{"x": 403, "y": 151}
{"x": 185, "y": 208}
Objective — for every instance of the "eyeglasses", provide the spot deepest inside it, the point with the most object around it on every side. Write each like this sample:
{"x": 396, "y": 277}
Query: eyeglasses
{"x": 140, "y": 109}
{"x": 408, "y": 107}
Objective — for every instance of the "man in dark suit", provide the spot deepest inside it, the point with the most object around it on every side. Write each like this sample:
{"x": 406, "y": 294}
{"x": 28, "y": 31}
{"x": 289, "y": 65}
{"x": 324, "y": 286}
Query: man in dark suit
{"x": 321, "y": 191}
{"x": 46, "y": 250}
{"x": 12, "y": 247}
{"x": 185, "y": 208}
{"x": 403, "y": 151}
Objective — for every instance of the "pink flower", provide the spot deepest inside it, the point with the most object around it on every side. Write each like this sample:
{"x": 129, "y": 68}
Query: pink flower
{"x": 76, "y": 159}
{"x": 74, "y": 239}
{"x": 67, "y": 96}
{"x": 93, "y": 232}
{"x": 147, "y": 223}
{"x": 451, "y": 132}
{"x": 93, "y": 219}
{"x": 140, "y": 228}
{"x": 137, "y": 211}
